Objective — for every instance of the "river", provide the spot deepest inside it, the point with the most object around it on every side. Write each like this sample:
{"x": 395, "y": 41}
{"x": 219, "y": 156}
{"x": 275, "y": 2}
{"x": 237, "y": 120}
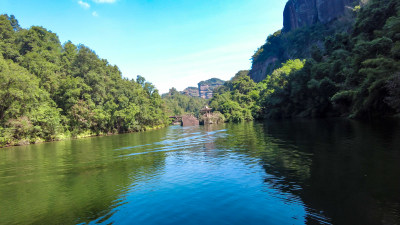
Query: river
{"x": 279, "y": 172}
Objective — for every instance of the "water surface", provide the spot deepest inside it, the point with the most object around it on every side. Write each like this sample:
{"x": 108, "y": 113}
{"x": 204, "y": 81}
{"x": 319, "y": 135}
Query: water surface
{"x": 288, "y": 172}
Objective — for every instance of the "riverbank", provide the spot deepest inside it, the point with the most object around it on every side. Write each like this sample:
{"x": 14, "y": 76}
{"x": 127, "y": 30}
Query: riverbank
{"x": 215, "y": 119}
{"x": 65, "y": 137}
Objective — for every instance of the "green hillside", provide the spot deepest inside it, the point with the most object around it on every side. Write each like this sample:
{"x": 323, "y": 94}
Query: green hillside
{"x": 50, "y": 91}
{"x": 354, "y": 72}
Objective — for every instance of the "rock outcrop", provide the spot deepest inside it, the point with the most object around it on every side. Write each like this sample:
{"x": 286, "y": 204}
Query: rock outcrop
{"x": 212, "y": 118}
{"x": 300, "y": 13}
{"x": 207, "y": 87}
{"x": 191, "y": 91}
{"x": 260, "y": 69}
{"x": 189, "y": 120}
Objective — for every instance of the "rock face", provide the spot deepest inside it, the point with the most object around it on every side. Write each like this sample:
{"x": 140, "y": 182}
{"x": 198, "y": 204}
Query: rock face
{"x": 207, "y": 87}
{"x": 297, "y": 13}
{"x": 191, "y": 91}
{"x": 260, "y": 69}
{"x": 329, "y": 10}
{"x": 189, "y": 120}
{"x": 300, "y": 13}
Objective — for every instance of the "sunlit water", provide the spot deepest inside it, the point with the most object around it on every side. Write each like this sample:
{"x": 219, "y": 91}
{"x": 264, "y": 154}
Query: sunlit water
{"x": 289, "y": 172}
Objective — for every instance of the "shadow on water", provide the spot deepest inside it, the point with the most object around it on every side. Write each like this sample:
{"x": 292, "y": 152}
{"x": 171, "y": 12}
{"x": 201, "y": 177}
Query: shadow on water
{"x": 71, "y": 182}
{"x": 345, "y": 172}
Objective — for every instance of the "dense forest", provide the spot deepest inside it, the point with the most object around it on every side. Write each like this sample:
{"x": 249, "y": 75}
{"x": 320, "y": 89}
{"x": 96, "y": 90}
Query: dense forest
{"x": 50, "y": 91}
{"x": 349, "y": 67}
{"x": 178, "y": 104}
{"x": 353, "y": 72}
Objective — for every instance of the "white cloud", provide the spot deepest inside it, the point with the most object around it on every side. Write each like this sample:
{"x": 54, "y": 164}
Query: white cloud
{"x": 84, "y": 5}
{"x": 95, "y": 14}
{"x": 104, "y": 1}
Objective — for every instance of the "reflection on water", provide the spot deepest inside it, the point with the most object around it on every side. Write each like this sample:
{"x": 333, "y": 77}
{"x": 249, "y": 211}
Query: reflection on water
{"x": 286, "y": 172}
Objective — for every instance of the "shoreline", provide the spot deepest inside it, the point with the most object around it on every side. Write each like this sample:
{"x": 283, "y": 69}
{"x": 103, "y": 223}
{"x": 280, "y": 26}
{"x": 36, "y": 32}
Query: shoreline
{"x": 83, "y": 136}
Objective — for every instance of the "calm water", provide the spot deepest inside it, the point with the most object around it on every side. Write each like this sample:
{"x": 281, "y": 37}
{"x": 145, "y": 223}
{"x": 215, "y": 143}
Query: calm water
{"x": 291, "y": 172}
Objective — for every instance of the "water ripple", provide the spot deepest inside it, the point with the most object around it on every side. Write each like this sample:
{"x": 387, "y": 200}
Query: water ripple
{"x": 252, "y": 173}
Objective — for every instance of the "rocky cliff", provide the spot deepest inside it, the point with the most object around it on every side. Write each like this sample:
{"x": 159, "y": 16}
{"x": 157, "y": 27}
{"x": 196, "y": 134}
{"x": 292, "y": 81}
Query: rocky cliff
{"x": 300, "y": 13}
{"x": 306, "y": 24}
{"x": 207, "y": 87}
{"x": 191, "y": 91}
{"x": 261, "y": 68}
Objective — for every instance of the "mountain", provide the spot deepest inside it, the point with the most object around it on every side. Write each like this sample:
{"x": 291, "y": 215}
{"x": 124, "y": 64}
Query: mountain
{"x": 306, "y": 23}
{"x": 207, "y": 87}
{"x": 330, "y": 60}
{"x": 191, "y": 91}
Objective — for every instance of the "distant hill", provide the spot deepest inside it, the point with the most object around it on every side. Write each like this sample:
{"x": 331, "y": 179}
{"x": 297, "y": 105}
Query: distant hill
{"x": 191, "y": 91}
{"x": 179, "y": 104}
{"x": 207, "y": 87}
{"x": 212, "y": 81}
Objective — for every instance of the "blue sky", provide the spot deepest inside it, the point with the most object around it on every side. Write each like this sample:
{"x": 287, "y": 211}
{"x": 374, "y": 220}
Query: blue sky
{"x": 172, "y": 43}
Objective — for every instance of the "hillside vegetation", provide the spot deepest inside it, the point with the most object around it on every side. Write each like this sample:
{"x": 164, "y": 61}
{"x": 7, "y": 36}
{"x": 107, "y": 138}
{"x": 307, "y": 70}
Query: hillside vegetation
{"x": 354, "y": 72}
{"x": 349, "y": 67}
{"x": 50, "y": 91}
{"x": 178, "y": 104}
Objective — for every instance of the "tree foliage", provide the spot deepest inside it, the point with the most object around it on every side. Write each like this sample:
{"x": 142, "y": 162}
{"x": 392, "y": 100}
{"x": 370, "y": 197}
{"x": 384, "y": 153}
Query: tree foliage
{"x": 236, "y": 98}
{"x": 348, "y": 72}
{"x": 178, "y": 104}
{"x": 49, "y": 90}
